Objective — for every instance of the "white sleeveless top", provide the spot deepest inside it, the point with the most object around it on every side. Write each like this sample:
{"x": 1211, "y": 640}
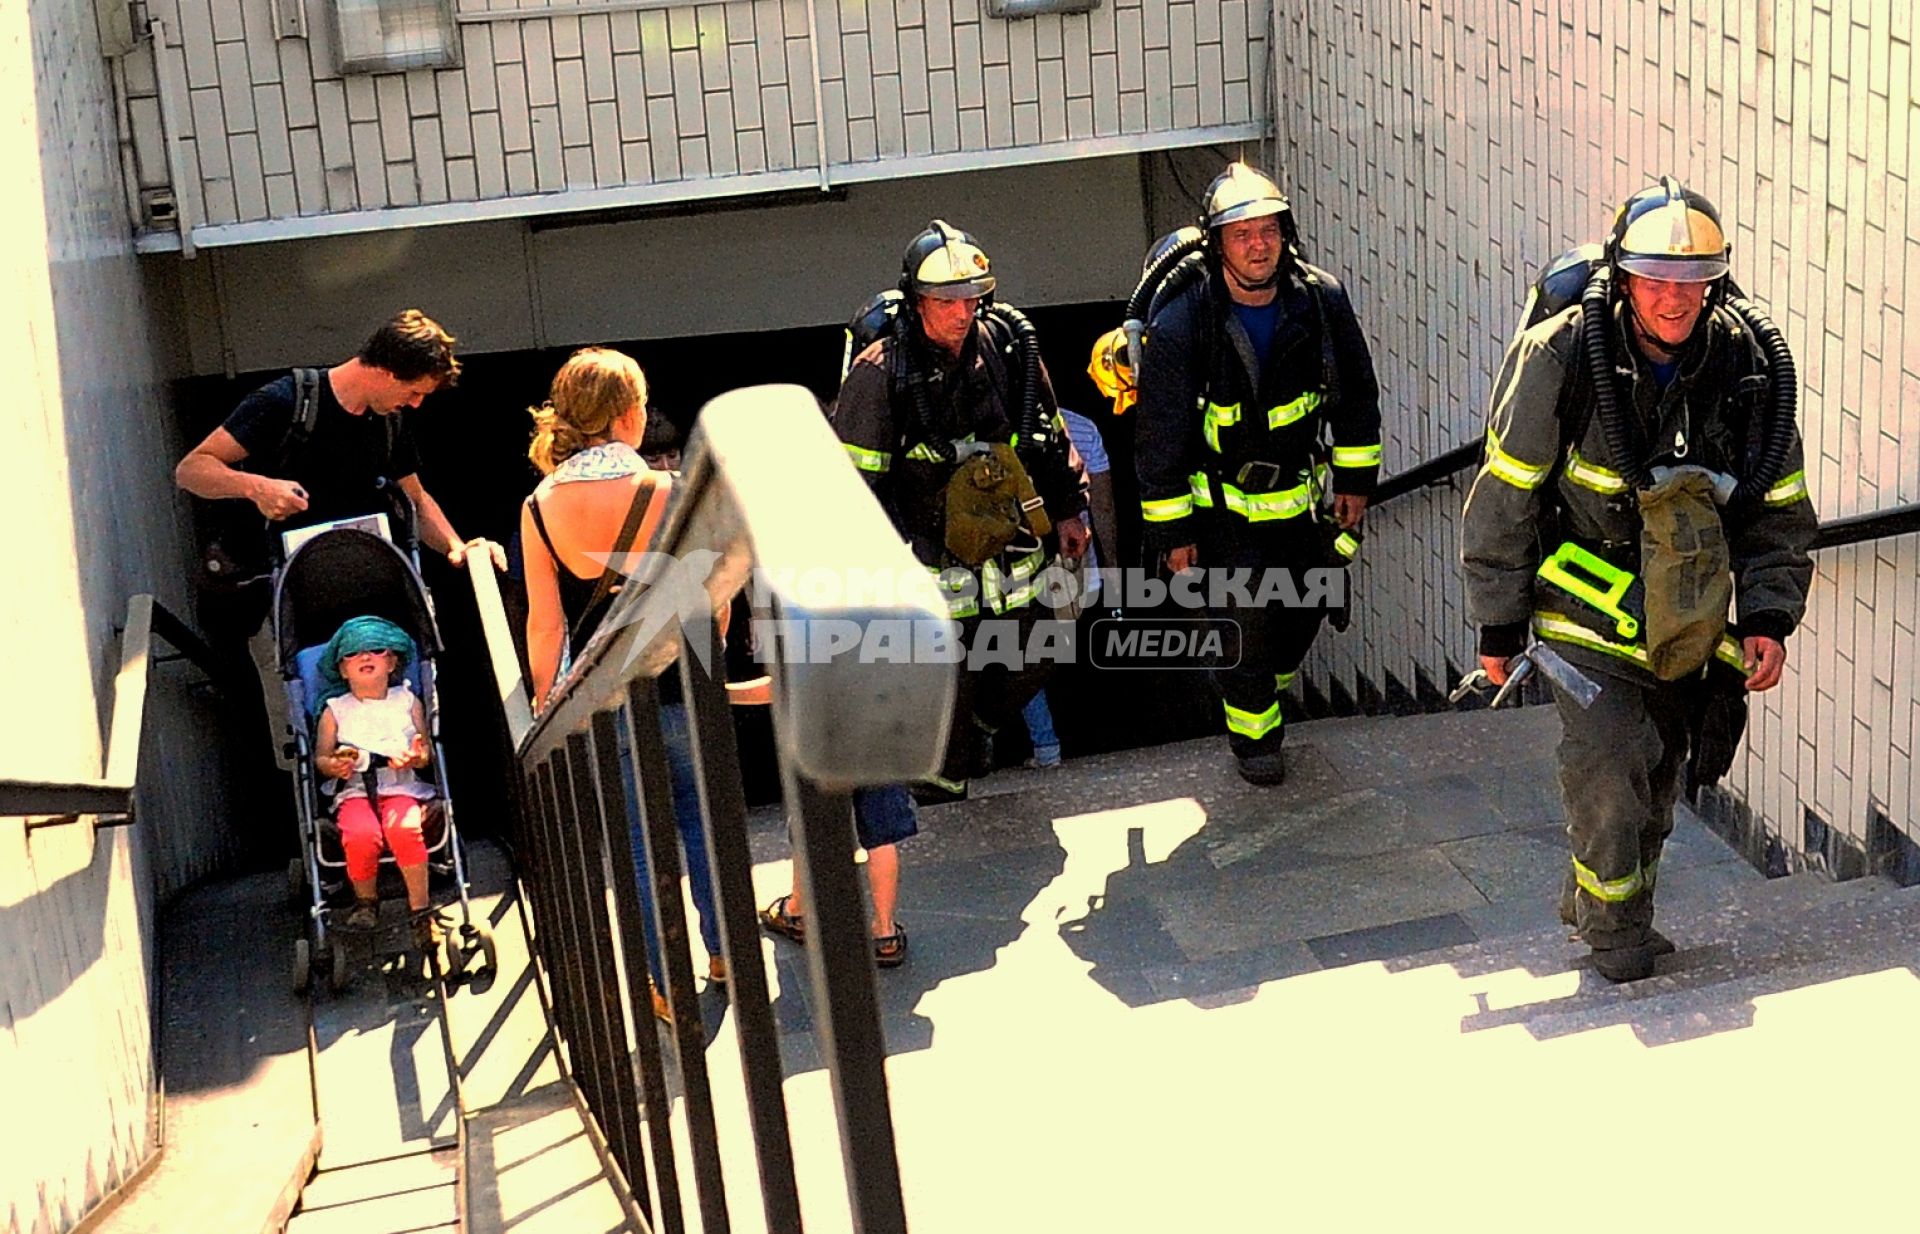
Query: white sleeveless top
{"x": 380, "y": 726}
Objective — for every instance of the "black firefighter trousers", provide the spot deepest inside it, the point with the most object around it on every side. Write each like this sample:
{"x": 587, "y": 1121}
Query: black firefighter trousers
{"x": 1274, "y": 637}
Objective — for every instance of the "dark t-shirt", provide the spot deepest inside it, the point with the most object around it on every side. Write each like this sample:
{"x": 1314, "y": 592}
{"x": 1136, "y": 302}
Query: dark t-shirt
{"x": 1259, "y": 321}
{"x": 342, "y": 461}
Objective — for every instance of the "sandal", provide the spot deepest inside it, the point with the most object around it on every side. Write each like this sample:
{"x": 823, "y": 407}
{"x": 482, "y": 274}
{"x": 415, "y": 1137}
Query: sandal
{"x": 775, "y": 919}
{"x": 365, "y": 915}
{"x": 890, "y": 950}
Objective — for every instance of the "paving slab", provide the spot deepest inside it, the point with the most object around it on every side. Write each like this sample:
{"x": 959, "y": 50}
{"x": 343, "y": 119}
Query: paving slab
{"x": 241, "y": 1133}
{"x": 533, "y": 1170}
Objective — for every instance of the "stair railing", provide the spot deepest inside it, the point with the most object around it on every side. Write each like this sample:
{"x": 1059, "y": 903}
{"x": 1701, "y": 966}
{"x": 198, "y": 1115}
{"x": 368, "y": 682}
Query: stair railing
{"x": 767, "y": 497}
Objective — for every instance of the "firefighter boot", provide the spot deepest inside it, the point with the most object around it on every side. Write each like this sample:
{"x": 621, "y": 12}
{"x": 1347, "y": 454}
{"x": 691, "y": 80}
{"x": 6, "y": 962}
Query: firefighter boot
{"x": 1622, "y": 964}
{"x": 1269, "y": 767}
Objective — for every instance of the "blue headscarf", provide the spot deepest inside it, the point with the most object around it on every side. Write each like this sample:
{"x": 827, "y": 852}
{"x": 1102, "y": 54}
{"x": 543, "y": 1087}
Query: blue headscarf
{"x": 358, "y": 634}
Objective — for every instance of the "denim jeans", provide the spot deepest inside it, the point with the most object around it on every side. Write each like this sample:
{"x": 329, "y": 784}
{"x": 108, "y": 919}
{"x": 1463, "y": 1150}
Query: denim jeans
{"x": 1046, "y": 742}
{"x": 686, "y": 816}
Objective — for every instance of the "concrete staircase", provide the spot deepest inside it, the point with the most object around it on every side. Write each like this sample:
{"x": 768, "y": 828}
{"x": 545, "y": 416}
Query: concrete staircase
{"x": 1144, "y": 996}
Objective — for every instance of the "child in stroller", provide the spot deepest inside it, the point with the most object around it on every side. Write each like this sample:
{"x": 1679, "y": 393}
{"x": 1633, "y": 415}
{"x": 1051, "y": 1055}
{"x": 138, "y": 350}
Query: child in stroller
{"x": 371, "y": 737}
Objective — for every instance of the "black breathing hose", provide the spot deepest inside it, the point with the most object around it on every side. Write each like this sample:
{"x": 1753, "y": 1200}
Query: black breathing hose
{"x": 1629, "y": 456}
{"x": 1187, "y": 241}
{"x": 1026, "y": 341}
{"x": 1623, "y": 435}
{"x": 1184, "y": 274}
{"x": 904, "y": 331}
{"x": 1776, "y": 435}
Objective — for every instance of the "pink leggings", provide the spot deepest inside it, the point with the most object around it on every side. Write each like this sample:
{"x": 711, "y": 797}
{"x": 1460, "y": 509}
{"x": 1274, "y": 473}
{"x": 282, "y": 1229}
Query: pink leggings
{"x": 360, "y": 834}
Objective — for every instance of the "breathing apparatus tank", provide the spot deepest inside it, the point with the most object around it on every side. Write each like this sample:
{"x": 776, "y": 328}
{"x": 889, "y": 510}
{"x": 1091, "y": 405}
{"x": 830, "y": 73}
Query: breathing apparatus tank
{"x": 1664, "y": 232}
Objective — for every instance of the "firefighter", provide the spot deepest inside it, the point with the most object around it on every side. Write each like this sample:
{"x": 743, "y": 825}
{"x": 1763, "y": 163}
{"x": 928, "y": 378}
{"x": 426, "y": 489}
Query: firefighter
{"x": 1257, "y": 402}
{"x": 950, "y": 416}
{"x": 1642, "y": 472}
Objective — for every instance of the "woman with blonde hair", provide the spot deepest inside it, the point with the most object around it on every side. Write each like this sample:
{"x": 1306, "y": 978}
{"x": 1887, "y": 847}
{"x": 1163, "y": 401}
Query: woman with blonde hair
{"x": 586, "y": 440}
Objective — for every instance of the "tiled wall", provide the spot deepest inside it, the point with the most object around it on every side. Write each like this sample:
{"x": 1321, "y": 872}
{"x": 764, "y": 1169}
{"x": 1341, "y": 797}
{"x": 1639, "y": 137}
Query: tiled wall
{"x": 87, "y": 500}
{"x": 1440, "y": 154}
{"x": 549, "y": 100}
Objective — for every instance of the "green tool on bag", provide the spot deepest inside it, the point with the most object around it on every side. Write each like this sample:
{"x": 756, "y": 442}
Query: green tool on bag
{"x": 1600, "y": 583}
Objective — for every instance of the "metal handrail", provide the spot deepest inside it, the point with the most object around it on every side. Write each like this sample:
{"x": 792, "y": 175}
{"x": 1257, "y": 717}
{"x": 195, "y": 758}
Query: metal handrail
{"x": 1434, "y": 471}
{"x": 1877, "y": 525}
{"x": 767, "y": 496}
{"x": 108, "y": 800}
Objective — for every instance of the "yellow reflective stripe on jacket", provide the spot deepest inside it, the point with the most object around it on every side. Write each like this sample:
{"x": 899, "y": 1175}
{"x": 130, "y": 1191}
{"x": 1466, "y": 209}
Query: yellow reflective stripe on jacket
{"x": 1167, "y": 509}
{"x": 1563, "y": 629}
{"x": 1254, "y": 724}
{"x": 1017, "y": 587}
{"x": 1612, "y": 890}
{"x": 1202, "y": 490}
{"x": 1284, "y": 681}
{"x": 1217, "y": 418}
{"x": 1347, "y": 545}
{"x": 925, "y": 453}
{"x": 1265, "y": 507}
{"x": 875, "y": 461}
{"x": 1522, "y": 475}
{"x": 1293, "y": 412}
{"x": 1592, "y": 475}
{"x": 1788, "y": 491}
{"x": 961, "y": 601}
{"x": 1357, "y": 456}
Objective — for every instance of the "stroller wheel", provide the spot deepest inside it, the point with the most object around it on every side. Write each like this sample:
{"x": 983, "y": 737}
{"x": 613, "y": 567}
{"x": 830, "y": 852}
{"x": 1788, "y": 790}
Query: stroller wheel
{"x": 456, "y": 954}
{"x": 296, "y": 880}
{"x": 338, "y": 976}
{"x": 302, "y": 965}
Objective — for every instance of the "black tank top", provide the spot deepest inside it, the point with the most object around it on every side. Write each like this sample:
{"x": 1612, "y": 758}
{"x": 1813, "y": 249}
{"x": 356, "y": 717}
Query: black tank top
{"x": 576, "y": 594}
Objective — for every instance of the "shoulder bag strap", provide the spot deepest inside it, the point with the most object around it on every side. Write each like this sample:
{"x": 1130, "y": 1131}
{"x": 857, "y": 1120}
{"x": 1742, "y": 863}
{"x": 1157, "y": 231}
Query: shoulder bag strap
{"x": 643, "y": 519}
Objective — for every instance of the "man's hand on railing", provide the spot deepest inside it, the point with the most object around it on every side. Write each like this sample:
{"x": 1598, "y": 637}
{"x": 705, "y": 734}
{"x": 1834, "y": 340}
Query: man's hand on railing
{"x": 1348, "y": 509}
{"x": 457, "y": 552}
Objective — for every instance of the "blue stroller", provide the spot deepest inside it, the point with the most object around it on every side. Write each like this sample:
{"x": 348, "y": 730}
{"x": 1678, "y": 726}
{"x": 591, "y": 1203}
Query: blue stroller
{"x": 331, "y": 576}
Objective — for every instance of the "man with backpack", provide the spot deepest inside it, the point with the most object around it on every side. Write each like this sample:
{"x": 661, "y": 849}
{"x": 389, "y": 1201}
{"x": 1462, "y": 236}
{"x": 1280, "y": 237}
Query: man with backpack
{"x": 1642, "y": 475}
{"x": 310, "y": 447}
{"x": 1248, "y": 371}
{"x": 950, "y": 417}
{"x": 319, "y": 445}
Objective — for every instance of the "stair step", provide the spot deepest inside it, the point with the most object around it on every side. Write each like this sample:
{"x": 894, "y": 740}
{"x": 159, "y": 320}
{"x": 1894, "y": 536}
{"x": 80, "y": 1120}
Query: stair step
{"x": 1693, "y": 921}
{"x": 1663, "y": 1016}
{"x": 408, "y": 1212}
{"x": 415, "y": 1172}
{"x": 1863, "y": 927}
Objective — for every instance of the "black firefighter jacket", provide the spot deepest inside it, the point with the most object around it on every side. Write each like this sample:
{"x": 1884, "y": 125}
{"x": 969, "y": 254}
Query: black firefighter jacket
{"x": 1208, "y": 410}
{"x": 971, "y": 398}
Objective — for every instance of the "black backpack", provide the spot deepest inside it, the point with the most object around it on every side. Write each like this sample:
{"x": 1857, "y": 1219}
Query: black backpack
{"x": 238, "y": 547}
